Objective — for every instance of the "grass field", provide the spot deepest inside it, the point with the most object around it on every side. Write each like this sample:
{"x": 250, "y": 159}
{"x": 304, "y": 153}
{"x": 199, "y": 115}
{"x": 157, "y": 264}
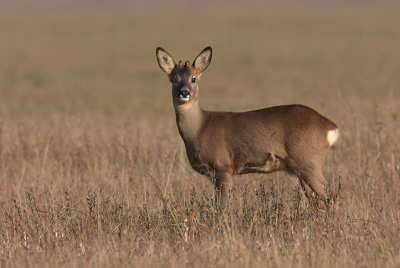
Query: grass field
{"x": 93, "y": 171}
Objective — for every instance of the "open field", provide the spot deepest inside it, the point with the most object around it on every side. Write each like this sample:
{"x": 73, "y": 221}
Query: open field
{"x": 93, "y": 172}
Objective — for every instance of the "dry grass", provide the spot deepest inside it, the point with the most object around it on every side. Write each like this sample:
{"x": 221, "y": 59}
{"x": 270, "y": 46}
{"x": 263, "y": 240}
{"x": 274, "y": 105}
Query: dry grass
{"x": 93, "y": 171}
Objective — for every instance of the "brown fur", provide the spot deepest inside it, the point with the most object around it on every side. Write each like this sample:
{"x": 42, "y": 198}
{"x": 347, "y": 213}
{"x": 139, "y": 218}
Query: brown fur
{"x": 292, "y": 138}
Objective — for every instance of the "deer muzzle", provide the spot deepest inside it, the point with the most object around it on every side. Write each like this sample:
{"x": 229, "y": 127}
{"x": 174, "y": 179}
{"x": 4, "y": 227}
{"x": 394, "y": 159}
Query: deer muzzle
{"x": 184, "y": 95}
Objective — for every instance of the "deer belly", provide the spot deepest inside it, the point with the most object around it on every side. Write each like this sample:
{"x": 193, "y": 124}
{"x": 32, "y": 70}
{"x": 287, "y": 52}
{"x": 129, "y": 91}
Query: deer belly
{"x": 267, "y": 164}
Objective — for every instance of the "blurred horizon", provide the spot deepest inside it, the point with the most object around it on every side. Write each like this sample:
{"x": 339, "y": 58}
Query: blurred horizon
{"x": 72, "y": 57}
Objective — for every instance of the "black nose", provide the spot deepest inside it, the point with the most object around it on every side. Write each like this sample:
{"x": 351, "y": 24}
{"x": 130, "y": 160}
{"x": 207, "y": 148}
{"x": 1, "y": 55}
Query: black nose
{"x": 184, "y": 94}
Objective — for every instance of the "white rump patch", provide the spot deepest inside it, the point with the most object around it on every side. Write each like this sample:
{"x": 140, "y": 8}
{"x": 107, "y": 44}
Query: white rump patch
{"x": 333, "y": 135}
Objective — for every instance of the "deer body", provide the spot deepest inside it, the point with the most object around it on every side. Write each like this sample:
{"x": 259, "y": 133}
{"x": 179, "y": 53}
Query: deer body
{"x": 291, "y": 138}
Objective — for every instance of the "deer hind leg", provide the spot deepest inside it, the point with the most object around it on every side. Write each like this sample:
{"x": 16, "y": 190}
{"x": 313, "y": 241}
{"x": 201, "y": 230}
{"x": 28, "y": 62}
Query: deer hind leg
{"x": 306, "y": 188}
{"x": 222, "y": 186}
{"x": 315, "y": 182}
{"x": 310, "y": 176}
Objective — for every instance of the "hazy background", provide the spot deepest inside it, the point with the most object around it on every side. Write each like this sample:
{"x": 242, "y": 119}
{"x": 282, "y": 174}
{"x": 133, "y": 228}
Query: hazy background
{"x": 98, "y": 57}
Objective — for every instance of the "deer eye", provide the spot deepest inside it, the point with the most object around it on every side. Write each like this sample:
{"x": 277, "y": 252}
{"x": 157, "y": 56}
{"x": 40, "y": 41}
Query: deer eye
{"x": 175, "y": 79}
{"x": 193, "y": 80}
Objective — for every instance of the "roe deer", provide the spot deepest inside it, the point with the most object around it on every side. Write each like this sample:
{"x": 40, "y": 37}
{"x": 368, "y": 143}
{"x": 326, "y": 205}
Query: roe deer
{"x": 291, "y": 138}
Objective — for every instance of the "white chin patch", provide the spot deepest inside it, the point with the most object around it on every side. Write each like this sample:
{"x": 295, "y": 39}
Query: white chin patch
{"x": 184, "y": 99}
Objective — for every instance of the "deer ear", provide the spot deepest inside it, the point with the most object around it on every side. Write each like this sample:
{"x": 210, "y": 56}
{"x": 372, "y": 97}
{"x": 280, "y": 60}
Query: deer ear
{"x": 166, "y": 62}
{"x": 203, "y": 60}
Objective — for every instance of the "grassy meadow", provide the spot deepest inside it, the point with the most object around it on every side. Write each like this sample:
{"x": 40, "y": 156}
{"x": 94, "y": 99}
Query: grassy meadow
{"x": 93, "y": 172}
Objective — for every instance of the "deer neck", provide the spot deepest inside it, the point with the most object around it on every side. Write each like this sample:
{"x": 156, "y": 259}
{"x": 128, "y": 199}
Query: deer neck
{"x": 189, "y": 119}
